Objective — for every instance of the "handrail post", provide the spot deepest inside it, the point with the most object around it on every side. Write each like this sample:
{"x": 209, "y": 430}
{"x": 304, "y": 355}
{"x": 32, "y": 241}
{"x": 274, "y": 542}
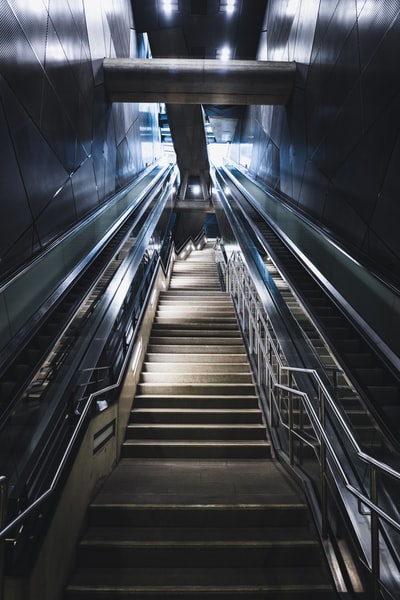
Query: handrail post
{"x": 375, "y": 564}
{"x": 291, "y": 440}
{"x": 322, "y": 450}
{"x": 3, "y": 510}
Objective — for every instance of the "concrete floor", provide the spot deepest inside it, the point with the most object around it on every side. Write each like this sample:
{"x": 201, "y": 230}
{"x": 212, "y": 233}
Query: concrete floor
{"x": 148, "y": 481}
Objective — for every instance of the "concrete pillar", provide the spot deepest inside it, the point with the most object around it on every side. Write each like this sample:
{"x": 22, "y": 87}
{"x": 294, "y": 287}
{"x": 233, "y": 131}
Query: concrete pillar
{"x": 195, "y": 81}
{"x": 205, "y": 184}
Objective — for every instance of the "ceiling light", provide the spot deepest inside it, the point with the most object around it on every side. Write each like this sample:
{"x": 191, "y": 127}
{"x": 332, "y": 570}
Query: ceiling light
{"x": 230, "y": 6}
{"x": 227, "y": 6}
{"x": 196, "y": 189}
{"x": 224, "y": 53}
{"x": 169, "y": 5}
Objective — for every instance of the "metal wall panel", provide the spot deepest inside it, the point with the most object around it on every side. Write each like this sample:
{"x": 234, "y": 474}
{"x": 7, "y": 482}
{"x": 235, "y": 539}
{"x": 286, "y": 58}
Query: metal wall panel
{"x": 59, "y": 132}
{"x": 339, "y": 138}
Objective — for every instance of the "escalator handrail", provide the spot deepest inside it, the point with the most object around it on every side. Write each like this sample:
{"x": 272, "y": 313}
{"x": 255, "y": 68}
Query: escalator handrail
{"x": 37, "y": 316}
{"x": 303, "y": 217}
{"x": 122, "y": 192}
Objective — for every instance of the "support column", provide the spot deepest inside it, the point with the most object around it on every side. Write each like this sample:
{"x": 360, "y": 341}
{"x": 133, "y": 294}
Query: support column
{"x": 184, "y": 184}
{"x": 205, "y": 184}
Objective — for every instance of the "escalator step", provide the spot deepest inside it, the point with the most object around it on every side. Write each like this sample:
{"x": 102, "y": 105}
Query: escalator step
{"x": 371, "y": 376}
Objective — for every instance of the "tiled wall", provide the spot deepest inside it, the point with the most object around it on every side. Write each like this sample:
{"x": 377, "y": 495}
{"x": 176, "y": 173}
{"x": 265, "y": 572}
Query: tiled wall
{"x": 64, "y": 147}
{"x": 335, "y": 150}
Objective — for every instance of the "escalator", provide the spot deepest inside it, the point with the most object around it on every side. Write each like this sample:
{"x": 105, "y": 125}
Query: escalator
{"x": 22, "y": 359}
{"x": 370, "y": 373}
{"x": 46, "y": 381}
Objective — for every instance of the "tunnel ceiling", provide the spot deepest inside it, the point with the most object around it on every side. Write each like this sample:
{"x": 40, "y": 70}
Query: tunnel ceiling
{"x": 200, "y": 29}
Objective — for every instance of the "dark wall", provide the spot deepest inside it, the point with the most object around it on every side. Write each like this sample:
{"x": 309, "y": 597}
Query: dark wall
{"x": 335, "y": 150}
{"x": 64, "y": 148}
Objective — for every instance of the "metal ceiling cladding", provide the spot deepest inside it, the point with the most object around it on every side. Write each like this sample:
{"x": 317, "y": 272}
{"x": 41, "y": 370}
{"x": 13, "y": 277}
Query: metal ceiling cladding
{"x": 59, "y": 133}
{"x": 338, "y": 137}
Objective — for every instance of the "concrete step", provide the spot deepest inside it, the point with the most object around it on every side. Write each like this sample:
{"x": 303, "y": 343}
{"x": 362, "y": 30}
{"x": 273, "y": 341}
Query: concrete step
{"x": 196, "y": 330}
{"x": 192, "y": 285}
{"x": 195, "y": 367}
{"x": 198, "y": 553}
{"x": 258, "y": 514}
{"x": 197, "y": 312}
{"x": 174, "y": 377}
{"x": 189, "y": 449}
{"x": 195, "y": 358}
{"x": 181, "y": 298}
{"x": 198, "y": 583}
{"x": 197, "y": 389}
{"x": 221, "y": 547}
{"x": 196, "y": 431}
{"x": 196, "y": 401}
{"x": 196, "y": 275}
{"x": 193, "y": 415}
{"x": 195, "y": 268}
{"x": 193, "y": 314}
{"x": 217, "y": 299}
{"x": 191, "y": 295}
{"x": 184, "y": 348}
{"x": 103, "y": 534}
{"x": 179, "y": 321}
{"x": 205, "y": 321}
{"x": 196, "y": 340}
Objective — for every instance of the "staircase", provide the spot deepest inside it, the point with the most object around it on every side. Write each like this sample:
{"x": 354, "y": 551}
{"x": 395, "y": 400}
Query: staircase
{"x": 197, "y": 508}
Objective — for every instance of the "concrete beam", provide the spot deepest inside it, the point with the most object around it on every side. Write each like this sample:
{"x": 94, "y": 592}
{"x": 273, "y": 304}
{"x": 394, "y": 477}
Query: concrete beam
{"x": 194, "y": 81}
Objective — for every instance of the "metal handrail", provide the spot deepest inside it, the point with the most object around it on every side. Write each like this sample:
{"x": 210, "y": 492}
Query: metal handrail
{"x": 322, "y": 388}
{"x": 75, "y": 435}
{"x": 3, "y": 508}
{"x": 262, "y": 339}
{"x": 190, "y": 244}
{"x": 4, "y": 531}
{"x": 363, "y": 260}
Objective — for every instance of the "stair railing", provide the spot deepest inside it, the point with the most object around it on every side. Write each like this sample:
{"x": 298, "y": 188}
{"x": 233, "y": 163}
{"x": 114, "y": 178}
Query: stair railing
{"x": 317, "y": 423}
{"x": 186, "y": 248}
